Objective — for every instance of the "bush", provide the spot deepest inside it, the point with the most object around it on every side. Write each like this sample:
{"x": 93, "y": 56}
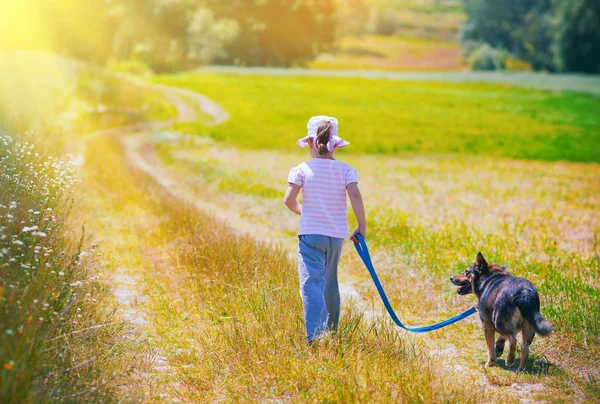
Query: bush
{"x": 468, "y": 47}
{"x": 487, "y": 58}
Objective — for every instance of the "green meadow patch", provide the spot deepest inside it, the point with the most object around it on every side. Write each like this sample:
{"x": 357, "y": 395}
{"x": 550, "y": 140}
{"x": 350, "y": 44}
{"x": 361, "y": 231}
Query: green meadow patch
{"x": 381, "y": 116}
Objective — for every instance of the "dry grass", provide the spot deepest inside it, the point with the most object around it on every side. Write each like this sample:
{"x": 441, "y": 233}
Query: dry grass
{"x": 240, "y": 333}
{"x": 225, "y": 318}
{"x": 428, "y": 218}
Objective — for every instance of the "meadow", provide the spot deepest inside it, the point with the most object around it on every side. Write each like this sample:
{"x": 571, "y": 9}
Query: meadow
{"x": 193, "y": 264}
{"x": 430, "y": 208}
{"x": 403, "y": 117}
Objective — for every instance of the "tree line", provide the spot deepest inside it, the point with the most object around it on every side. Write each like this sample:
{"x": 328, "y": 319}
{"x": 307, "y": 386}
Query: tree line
{"x": 171, "y": 35}
{"x": 553, "y": 35}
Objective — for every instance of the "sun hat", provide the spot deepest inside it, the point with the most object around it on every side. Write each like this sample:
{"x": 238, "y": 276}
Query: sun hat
{"x": 335, "y": 142}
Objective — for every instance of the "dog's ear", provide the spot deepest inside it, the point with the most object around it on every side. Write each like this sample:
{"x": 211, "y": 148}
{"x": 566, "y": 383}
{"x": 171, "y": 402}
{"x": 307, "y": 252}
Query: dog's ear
{"x": 481, "y": 263}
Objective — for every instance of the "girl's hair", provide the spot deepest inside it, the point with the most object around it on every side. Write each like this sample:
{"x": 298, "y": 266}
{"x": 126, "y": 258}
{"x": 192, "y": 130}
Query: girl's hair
{"x": 323, "y": 136}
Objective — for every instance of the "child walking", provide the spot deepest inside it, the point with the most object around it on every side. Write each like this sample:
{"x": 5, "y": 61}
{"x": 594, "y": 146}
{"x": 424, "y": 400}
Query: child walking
{"x": 324, "y": 182}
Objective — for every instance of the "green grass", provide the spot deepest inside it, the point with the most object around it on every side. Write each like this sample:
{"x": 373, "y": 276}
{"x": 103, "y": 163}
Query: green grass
{"x": 395, "y": 117}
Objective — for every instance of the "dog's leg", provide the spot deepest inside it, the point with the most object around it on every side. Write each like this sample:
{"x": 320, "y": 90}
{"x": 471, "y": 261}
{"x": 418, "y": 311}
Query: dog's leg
{"x": 490, "y": 332}
{"x": 512, "y": 348}
{"x": 528, "y": 335}
{"x": 500, "y": 345}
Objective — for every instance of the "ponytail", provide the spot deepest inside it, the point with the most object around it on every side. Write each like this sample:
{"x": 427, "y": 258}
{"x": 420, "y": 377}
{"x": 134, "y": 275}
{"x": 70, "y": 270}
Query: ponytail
{"x": 323, "y": 136}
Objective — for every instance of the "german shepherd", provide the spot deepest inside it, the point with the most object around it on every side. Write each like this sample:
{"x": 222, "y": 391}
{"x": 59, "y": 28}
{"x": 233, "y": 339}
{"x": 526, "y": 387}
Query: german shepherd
{"x": 506, "y": 305}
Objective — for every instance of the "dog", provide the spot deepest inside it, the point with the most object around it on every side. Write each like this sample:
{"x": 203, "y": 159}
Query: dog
{"x": 506, "y": 305}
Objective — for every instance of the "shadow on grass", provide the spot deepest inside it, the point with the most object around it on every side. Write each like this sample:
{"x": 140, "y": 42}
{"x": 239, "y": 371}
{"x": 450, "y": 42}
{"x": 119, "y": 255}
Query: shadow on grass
{"x": 534, "y": 366}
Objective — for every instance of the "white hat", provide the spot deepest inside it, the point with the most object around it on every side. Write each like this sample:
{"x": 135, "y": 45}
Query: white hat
{"x": 335, "y": 142}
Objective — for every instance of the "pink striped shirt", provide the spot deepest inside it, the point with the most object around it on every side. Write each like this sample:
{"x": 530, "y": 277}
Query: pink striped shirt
{"x": 324, "y": 208}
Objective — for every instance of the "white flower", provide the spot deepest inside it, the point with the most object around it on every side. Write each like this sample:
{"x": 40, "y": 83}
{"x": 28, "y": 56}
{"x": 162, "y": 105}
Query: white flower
{"x": 83, "y": 254}
{"x": 18, "y": 242}
{"x": 61, "y": 273}
{"x": 9, "y": 331}
{"x": 39, "y": 233}
{"x": 26, "y": 229}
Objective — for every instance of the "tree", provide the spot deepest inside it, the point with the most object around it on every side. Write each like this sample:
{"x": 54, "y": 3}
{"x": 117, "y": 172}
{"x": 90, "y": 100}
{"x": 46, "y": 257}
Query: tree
{"x": 577, "y": 46}
{"x": 519, "y": 26}
{"x": 278, "y": 32}
{"x": 208, "y": 37}
{"x": 551, "y": 34}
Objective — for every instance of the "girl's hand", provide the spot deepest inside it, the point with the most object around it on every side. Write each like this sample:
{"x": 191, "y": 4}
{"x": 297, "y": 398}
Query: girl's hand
{"x": 359, "y": 230}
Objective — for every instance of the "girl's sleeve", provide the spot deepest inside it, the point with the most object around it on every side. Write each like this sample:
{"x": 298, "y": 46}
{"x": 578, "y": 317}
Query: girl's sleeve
{"x": 351, "y": 175}
{"x": 296, "y": 176}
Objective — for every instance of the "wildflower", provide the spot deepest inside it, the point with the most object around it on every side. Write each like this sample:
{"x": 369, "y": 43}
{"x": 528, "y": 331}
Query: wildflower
{"x": 8, "y": 367}
{"x": 61, "y": 273}
{"x": 9, "y": 332}
{"x": 27, "y": 229}
{"x": 18, "y": 242}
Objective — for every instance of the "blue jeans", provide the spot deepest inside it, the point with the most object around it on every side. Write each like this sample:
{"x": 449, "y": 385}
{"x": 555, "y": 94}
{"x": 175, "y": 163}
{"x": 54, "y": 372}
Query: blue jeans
{"x": 318, "y": 259}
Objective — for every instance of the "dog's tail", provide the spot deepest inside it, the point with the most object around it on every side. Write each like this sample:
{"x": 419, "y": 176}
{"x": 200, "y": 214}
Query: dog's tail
{"x": 541, "y": 325}
{"x": 528, "y": 302}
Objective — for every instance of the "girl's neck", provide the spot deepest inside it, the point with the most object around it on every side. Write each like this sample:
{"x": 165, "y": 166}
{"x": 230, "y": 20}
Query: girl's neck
{"x": 329, "y": 157}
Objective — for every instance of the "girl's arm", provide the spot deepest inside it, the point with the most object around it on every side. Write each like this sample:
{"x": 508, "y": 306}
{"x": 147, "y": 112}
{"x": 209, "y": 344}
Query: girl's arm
{"x": 359, "y": 210}
{"x": 290, "y": 199}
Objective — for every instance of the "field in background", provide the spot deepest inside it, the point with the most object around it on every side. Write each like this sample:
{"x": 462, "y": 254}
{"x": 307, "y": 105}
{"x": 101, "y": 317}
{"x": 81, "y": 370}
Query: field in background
{"x": 392, "y": 53}
{"x": 424, "y": 37}
{"x": 392, "y": 117}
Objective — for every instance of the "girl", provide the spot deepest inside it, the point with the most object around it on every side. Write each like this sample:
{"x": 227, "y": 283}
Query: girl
{"x": 323, "y": 222}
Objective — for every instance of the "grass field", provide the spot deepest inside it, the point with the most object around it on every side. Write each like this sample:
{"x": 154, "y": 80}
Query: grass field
{"x": 429, "y": 214}
{"x": 197, "y": 248}
{"x": 391, "y": 117}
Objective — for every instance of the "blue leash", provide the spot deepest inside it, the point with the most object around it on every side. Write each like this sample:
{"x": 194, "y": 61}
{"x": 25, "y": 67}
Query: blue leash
{"x": 363, "y": 251}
